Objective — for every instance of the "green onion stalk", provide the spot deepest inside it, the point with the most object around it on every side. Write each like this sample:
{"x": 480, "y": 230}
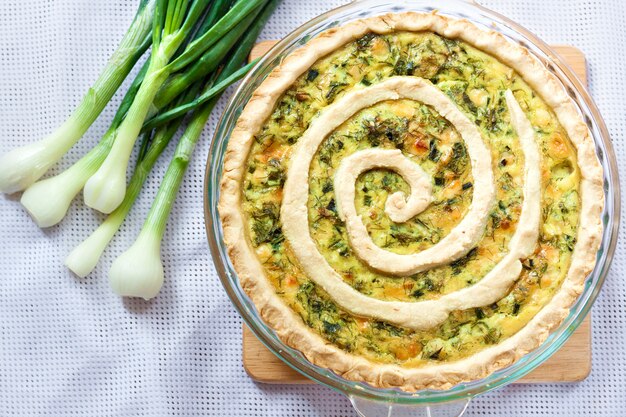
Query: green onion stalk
{"x": 206, "y": 64}
{"x": 206, "y": 96}
{"x": 138, "y": 272}
{"x": 199, "y": 46}
{"x": 105, "y": 190}
{"x": 216, "y": 11}
{"x": 173, "y": 22}
{"x": 22, "y": 166}
{"x": 47, "y": 201}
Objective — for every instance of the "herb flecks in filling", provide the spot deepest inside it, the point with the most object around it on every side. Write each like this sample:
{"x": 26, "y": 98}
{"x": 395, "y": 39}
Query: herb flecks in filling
{"x": 476, "y": 82}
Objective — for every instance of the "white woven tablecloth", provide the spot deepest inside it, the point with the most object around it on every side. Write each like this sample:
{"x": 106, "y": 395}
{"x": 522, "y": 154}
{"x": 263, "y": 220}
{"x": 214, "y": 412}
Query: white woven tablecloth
{"x": 70, "y": 347}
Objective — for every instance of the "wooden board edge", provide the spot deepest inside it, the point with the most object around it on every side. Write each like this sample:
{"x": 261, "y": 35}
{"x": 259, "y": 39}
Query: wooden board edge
{"x": 572, "y": 363}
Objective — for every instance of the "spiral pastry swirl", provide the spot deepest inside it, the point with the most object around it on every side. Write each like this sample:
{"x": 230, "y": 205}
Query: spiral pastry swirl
{"x": 425, "y": 314}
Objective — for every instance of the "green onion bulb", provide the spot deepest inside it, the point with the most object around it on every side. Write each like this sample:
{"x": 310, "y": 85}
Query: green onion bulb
{"x": 22, "y": 166}
{"x": 84, "y": 258}
{"x": 138, "y": 272}
{"x": 47, "y": 201}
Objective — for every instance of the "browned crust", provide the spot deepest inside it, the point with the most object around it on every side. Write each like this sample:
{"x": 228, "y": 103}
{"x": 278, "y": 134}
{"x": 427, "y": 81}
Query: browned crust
{"x": 290, "y": 327}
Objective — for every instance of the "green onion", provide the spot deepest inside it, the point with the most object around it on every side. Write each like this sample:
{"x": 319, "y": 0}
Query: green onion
{"x": 105, "y": 190}
{"x": 23, "y": 166}
{"x": 138, "y": 272}
{"x": 83, "y": 259}
{"x": 48, "y": 200}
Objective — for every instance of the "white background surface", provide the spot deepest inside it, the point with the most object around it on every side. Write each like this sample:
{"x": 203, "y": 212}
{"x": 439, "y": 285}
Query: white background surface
{"x": 70, "y": 347}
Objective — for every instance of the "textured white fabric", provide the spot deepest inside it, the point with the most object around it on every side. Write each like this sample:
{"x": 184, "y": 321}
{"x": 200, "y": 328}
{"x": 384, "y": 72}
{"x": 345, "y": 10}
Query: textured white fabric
{"x": 70, "y": 347}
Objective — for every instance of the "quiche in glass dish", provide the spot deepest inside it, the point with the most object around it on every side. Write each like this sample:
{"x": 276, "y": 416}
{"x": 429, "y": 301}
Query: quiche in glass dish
{"x": 411, "y": 201}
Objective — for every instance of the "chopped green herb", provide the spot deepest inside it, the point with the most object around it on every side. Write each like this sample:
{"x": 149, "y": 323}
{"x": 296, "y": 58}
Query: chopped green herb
{"x": 331, "y": 327}
{"x": 433, "y": 152}
{"x": 516, "y": 308}
{"x": 335, "y": 88}
{"x": 469, "y": 103}
{"x": 364, "y": 41}
{"x": 461, "y": 262}
{"x": 312, "y": 75}
{"x": 389, "y": 328}
{"x": 266, "y": 225}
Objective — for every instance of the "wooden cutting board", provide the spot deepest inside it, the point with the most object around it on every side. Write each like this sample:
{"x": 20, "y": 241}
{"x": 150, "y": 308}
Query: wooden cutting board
{"x": 570, "y": 364}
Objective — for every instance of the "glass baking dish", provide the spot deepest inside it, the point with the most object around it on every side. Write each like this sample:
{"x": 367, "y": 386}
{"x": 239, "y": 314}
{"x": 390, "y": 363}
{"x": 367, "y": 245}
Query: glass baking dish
{"x": 368, "y": 400}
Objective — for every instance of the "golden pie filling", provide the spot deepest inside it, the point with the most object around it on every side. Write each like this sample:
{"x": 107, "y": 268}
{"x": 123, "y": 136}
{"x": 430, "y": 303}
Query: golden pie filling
{"x": 442, "y": 209}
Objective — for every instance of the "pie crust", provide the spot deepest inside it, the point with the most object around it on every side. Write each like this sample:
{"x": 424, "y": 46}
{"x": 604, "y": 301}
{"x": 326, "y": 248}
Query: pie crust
{"x": 290, "y": 327}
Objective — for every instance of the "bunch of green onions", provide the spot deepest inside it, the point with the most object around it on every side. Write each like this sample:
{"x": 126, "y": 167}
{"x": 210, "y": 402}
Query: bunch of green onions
{"x": 197, "y": 49}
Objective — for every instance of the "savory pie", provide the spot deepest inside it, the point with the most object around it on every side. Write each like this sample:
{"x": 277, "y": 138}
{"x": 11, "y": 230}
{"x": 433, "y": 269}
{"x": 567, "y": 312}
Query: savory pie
{"x": 411, "y": 201}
